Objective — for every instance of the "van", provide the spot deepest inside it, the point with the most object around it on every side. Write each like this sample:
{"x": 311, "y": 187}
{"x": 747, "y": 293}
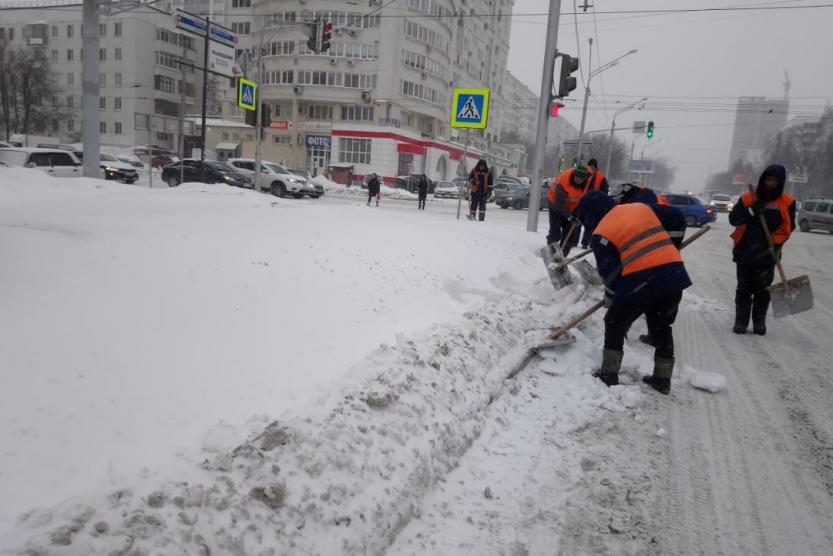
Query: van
{"x": 816, "y": 214}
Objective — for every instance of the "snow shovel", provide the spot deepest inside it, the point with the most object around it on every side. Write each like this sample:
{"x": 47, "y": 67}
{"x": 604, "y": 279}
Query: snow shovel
{"x": 558, "y": 332}
{"x": 790, "y": 297}
{"x": 553, "y": 255}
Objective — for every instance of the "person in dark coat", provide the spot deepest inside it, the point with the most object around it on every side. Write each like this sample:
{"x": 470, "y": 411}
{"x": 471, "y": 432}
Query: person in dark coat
{"x": 637, "y": 250}
{"x": 373, "y": 189}
{"x": 751, "y": 253}
{"x": 422, "y": 190}
{"x": 479, "y": 179}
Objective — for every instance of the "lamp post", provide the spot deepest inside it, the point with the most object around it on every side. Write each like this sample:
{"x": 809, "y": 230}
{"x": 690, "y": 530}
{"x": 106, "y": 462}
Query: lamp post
{"x": 597, "y": 71}
{"x": 613, "y": 127}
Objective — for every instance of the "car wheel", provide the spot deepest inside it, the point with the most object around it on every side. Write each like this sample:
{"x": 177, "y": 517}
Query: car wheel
{"x": 173, "y": 182}
{"x": 518, "y": 205}
{"x": 690, "y": 221}
{"x": 804, "y": 226}
{"x": 315, "y": 196}
{"x": 129, "y": 181}
{"x": 504, "y": 206}
{"x": 278, "y": 189}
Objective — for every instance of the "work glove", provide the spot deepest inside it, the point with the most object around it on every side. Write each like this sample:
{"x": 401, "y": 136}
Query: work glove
{"x": 572, "y": 219}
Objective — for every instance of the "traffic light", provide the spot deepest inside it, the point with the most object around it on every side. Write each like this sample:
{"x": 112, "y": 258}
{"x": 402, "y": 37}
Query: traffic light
{"x": 555, "y": 106}
{"x": 326, "y": 36}
{"x": 251, "y": 117}
{"x": 313, "y": 32}
{"x": 650, "y": 131}
{"x": 265, "y": 114}
{"x": 567, "y": 83}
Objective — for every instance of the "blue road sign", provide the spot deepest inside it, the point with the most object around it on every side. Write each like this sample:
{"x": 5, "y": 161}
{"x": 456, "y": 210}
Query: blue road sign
{"x": 247, "y": 94}
{"x": 470, "y": 108}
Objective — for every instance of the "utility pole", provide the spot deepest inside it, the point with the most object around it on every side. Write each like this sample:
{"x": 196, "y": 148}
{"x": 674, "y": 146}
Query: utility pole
{"x": 204, "y": 95}
{"x": 258, "y": 111}
{"x": 586, "y": 100}
{"x": 90, "y": 118}
{"x": 543, "y": 114}
{"x": 181, "y": 118}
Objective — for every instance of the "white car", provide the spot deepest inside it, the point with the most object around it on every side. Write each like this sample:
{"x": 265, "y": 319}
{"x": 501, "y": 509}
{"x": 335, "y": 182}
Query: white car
{"x": 722, "y": 203}
{"x": 55, "y": 162}
{"x": 114, "y": 169}
{"x": 276, "y": 178}
{"x": 446, "y": 189}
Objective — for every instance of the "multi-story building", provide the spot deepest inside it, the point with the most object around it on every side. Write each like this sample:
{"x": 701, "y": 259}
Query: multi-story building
{"x": 379, "y": 99}
{"x": 141, "y": 78}
{"x": 757, "y": 121}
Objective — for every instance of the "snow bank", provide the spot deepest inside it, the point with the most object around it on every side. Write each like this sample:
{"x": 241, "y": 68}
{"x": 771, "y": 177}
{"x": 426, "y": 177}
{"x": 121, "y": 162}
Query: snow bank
{"x": 387, "y": 191}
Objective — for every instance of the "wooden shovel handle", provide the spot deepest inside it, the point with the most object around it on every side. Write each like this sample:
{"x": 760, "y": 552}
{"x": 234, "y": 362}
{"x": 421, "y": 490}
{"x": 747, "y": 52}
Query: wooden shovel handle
{"x": 569, "y": 234}
{"x": 775, "y": 257}
{"x": 575, "y": 258}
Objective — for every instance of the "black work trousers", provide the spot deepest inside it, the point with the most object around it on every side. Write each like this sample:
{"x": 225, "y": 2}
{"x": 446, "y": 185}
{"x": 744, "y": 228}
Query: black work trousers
{"x": 752, "y": 296}
{"x": 559, "y": 228}
{"x": 660, "y": 314}
{"x": 478, "y": 202}
{"x": 422, "y": 198}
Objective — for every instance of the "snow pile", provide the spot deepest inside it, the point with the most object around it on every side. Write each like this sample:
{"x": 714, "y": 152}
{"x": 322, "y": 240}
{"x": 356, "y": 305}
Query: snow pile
{"x": 394, "y": 193}
{"x": 387, "y": 191}
{"x": 329, "y": 185}
{"x": 704, "y": 380}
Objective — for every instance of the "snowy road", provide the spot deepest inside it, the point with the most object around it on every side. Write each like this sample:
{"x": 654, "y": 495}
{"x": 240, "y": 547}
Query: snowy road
{"x": 745, "y": 471}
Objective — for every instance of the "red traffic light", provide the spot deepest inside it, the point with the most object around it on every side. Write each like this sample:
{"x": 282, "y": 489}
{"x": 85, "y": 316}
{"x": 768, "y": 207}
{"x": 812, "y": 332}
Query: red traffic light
{"x": 554, "y": 108}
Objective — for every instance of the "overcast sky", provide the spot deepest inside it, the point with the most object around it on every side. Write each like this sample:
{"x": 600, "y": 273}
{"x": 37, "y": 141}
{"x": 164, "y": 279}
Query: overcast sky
{"x": 693, "y": 57}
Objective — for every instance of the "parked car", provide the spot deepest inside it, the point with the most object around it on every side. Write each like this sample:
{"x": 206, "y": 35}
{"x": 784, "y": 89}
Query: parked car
{"x": 55, "y": 162}
{"x": 152, "y": 150}
{"x": 722, "y": 203}
{"x": 446, "y": 190}
{"x": 816, "y": 214}
{"x": 211, "y": 171}
{"x": 162, "y": 160}
{"x": 411, "y": 182}
{"x": 4, "y": 145}
{"x": 518, "y": 198}
{"x": 112, "y": 168}
{"x": 275, "y": 178}
{"x": 696, "y": 213}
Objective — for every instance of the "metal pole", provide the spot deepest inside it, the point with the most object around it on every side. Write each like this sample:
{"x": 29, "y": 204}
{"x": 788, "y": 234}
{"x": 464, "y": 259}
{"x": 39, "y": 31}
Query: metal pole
{"x": 586, "y": 99}
{"x": 90, "y": 119}
{"x": 465, "y": 173}
{"x": 204, "y": 96}
{"x": 543, "y": 115}
{"x": 181, "y": 119}
{"x": 610, "y": 145}
{"x": 258, "y": 115}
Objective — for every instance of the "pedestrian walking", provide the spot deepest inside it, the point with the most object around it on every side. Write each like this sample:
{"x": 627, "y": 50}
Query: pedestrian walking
{"x": 374, "y": 189}
{"x": 751, "y": 252}
{"x": 638, "y": 255}
{"x": 422, "y": 190}
{"x": 479, "y": 179}
{"x": 570, "y": 186}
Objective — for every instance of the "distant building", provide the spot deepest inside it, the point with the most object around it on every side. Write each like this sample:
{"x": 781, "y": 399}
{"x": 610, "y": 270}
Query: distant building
{"x": 757, "y": 121}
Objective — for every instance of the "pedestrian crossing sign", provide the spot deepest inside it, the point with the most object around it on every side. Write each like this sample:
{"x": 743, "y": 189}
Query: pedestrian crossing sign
{"x": 247, "y": 94}
{"x": 470, "y": 108}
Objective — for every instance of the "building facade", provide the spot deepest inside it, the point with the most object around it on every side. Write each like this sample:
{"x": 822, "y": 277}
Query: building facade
{"x": 141, "y": 79}
{"x": 757, "y": 121}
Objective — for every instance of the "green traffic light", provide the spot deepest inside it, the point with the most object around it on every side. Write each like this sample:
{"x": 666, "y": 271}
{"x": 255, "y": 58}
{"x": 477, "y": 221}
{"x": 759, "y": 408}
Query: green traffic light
{"x": 650, "y": 131}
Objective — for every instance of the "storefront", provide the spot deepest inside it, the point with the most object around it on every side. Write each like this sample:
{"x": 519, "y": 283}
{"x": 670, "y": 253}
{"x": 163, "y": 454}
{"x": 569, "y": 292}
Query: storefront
{"x": 318, "y": 153}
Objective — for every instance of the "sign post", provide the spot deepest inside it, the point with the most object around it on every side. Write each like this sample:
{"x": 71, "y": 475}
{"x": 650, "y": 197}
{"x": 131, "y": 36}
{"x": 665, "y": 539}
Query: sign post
{"x": 469, "y": 110}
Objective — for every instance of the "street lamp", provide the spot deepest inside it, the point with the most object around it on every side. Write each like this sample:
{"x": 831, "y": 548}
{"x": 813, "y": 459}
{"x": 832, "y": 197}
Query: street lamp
{"x": 613, "y": 126}
{"x": 590, "y": 76}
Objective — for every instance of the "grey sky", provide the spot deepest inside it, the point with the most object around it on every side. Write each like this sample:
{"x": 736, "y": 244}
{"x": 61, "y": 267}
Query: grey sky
{"x": 698, "y": 55}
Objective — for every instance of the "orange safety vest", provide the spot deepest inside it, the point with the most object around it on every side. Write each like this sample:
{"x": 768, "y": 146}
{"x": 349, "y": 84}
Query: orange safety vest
{"x": 638, "y": 235}
{"x": 597, "y": 179}
{"x": 480, "y": 178}
{"x": 574, "y": 194}
{"x": 782, "y": 203}
{"x": 661, "y": 200}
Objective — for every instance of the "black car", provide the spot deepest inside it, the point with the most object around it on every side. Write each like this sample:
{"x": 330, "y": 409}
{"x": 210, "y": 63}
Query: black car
{"x": 210, "y": 171}
{"x": 517, "y": 197}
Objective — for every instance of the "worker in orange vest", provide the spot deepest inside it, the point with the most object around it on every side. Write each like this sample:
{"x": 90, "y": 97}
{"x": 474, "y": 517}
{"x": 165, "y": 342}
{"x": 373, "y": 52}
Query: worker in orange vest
{"x": 637, "y": 250}
{"x": 751, "y": 253}
{"x": 564, "y": 196}
{"x": 633, "y": 193}
{"x": 598, "y": 182}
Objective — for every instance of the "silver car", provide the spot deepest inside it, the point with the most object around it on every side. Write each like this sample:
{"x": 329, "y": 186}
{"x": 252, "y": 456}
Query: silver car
{"x": 816, "y": 214}
{"x": 278, "y": 180}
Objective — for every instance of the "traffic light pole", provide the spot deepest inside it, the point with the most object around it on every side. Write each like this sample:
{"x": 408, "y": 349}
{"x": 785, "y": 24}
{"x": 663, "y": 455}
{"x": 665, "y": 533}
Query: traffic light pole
{"x": 586, "y": 100}
{"x": 259, "y": 114}
{"x": 203, "y": 130}
{"x": 543, "y": 114}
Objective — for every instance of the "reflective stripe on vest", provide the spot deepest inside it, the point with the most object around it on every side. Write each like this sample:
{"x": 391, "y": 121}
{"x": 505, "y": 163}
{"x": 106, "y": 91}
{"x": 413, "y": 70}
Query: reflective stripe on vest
{"x": 781, "y": 204}
{"x": 638, "y": 235}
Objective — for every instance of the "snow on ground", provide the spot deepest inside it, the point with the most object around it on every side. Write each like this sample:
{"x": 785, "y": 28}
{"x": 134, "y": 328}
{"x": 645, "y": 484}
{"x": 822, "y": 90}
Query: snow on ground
{"x": 387, "y": 192}
{"x": 208, "y": 370}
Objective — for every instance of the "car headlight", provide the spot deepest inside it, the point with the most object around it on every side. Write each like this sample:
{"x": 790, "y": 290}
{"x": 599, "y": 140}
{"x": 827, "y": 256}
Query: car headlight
{"x": 729, "y": 206}
{"x": 228, "y": 178}
{"x": 293, "y": 180}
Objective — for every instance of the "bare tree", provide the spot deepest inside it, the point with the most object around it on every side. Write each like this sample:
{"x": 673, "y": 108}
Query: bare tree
{"x": 28, "y": 91}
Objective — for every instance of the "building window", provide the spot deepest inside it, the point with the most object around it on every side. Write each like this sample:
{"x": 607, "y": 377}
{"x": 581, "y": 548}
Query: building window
{"x": 242, "y": 27}
{"x": 117, "y": 103}
{"x": 70, "y": 55}
{"x": 117, "y": 31}
{"x": 357, "y": 113}
{"x": 102, "y": 54}
{"x": 102, "y": 103}
{"x": 102, "y": 29}
{"x": 225, "y": 136}
{"x": 164, "y": 84}
{"x": 118, "y": 79}
{"x": 70, "y": 125}
{"x": 70, "y": 31}
{"x": 102, "y": 80}
{"x": 54, "y": 30}
{"x": 70, "y": 102}
{"x": 54, "y": 55}
{"x": 281, "y": 111}
{"x": 319, "y": 112}
{"x": 70, "y": 80}
{"x": 118, "y": 54}
{"x": 241, "y": 3}
{"x": 281, "y": 139}
{"x": 279, "y": 77}
{"x": 117, "y": 130}
{"x": 102, "y": 128}
{"x": 355, "y": 151}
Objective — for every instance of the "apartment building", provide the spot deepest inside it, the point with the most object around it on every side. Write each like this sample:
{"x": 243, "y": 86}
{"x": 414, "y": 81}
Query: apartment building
{"x": 141, "y": 76}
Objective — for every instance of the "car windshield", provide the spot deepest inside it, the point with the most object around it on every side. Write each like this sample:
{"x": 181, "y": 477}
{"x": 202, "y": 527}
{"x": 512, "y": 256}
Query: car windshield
{"x": 107, "y": 157}
{"x": 221, "y": 166}
{"x": 277, "y": 169}
{"x": 13, "y": 158}
{"x": 721, "y": 198}
{"x": 301, "y": 173}
{"x": 447, "y": 184}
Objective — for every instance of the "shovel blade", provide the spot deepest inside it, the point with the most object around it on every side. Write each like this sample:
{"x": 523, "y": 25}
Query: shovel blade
{"x": 801, "y": 299}
{"x": 588, "y": 273}
{"x": 559, "y": 275}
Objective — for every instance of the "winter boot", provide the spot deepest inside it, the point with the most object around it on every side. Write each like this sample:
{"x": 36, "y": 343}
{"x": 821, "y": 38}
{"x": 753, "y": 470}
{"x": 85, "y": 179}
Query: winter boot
{"x": 482, "y": 216}
{"x": 742, "y": 312}
{"x": 647, "y": 339}
{"x": 661, "y": 379}
{"x": 609, "y": 372}
{"x": 759, "y": 317}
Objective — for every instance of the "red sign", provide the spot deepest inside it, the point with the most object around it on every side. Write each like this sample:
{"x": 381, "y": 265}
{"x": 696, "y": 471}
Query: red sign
{"x": 279, "y": 124}
{"x": 740, "y": 179}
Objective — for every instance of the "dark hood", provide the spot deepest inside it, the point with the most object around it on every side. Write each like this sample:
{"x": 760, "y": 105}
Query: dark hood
{"x": 481, "y": 166}
{"x": 779, "y": 173}
{"x": 639, "y": 195}
{"x": 593, "y": 207}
